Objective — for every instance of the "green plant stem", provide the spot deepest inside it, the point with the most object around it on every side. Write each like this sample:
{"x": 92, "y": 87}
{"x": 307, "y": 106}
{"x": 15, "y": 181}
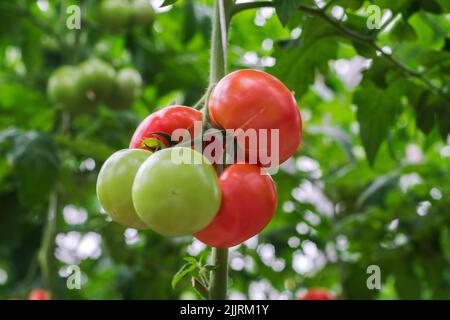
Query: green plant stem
{"x": 201, "y": 289}
{"x": 218, "y": 67}
{"x": 219, "y": 276}
{"x": 219, "y": 38}
{"x": 46, "y": 252}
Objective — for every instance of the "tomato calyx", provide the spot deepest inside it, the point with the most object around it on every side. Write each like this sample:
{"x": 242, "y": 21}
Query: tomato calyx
{"x": 153, "y": 144}
{"x": 156, "y": 144}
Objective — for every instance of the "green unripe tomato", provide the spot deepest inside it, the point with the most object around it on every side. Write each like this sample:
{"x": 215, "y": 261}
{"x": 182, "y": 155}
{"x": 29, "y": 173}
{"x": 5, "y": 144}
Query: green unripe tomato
{"x": 142, "y": 12}
{"x": 129, "y": 82}
{"x": 115, "y": 14}
{"x": 173, "y": 198}
{"x": 63, "y": 89}
{"x": 114, "y": 184}
{"x": 127, "y": 88}
{"x": 96, "y": 80}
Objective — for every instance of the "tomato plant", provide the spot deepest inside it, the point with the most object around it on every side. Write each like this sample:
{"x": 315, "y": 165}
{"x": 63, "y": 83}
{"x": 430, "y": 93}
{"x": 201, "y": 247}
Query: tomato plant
{"x": 176, "y": 192}
{"x": 369, "y": 186}
{"x": 252, "y": 99}
{"x": 249, "y": 200}
{"x": 114, "y": 184}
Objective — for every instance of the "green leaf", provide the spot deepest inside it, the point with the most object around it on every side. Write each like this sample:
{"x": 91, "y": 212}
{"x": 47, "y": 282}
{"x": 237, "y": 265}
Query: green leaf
{"x": 167, "y": 3}
{"x": 184, "y": 270}
{"x": 425, "y": 113}
{"x": 444, "y": 4}
{"x": 297, "y": 63}
{"x": 431, "y": 6}
{"x": 376, "y": 114}
{"x": 191, "y": 260}
{"x": 35, "y": 160}
{"x": 407, "y": 284}
{"x": 337, "y": 134}
{"x": 86, "y": 147}
{"x": 378, "y": 71}
{"x": 351, "y": 4}
{"x": 403, "y": 31}
{"x": 431, "y": 109}
{"x": 7, "y": 135}
{"x": 356, "y": 22}
{"x": 435, "y": 59}
{"x": 375, "y": 192}
{"x": 363, "y": 49}
{"x": 394, "y": 6}
{"x": 286, "y": 8}
{"x": 442, "y": 106}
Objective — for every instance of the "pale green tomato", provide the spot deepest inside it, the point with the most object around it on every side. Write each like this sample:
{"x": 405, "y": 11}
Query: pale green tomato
{"x": 176, "y": 199}
{"x": 63, "y": 89}
{"x": 115, "y": 14}
{"x": 127, "y": 88}
{"x": 96, "y": 80}
{"x": 114, "y": 184}
{"x": 142, "y": 12}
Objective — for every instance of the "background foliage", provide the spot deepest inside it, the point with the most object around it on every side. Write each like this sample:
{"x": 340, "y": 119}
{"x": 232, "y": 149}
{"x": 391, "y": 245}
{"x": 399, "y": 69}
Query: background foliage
{"x": 370, "y": 184}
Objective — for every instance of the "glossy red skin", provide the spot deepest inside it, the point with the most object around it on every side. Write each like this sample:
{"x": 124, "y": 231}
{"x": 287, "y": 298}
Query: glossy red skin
{"x": 255, "y": 99}
{"x": 318, "y": 294}
{"x": 38, "y": 294}
{"x": 166, "y": 120}
{"x": 249, "y": 200}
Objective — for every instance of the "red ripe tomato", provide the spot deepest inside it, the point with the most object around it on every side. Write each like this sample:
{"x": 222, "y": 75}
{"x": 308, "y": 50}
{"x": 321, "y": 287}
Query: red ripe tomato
{"x": 38, "y": 294}
{"x": 249, "y": 200}
{"x": 252, "y": 99}
{"x": 318, "y": 294}
{"x": 166, "y": 120}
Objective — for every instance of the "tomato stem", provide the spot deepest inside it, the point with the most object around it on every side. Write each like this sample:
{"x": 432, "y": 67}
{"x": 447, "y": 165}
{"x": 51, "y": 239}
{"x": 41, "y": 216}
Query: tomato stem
{"x": 219, "y": 38}
{"x": 219, "y": 276}
{"x": 218, "y": 66}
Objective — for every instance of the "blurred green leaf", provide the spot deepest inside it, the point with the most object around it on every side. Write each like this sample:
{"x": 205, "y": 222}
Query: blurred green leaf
{"x": 402, "y": 31}
{"x": 35, "y": 160}
{"x": 186, "y": 269}
{"x": 377, "y": 112}
{"x": 298, "y": 62}
{"x": 167, "y": 3}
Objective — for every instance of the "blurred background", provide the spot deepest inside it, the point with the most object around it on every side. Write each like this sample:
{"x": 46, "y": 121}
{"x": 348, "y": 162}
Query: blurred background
{"x": 370, "y": 184}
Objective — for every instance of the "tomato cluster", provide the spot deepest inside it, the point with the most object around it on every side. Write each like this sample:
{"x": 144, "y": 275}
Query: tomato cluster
{"x": 80, "y": 89}
{"x": 143, "y": 187}
{"x": 118, "y": 14}
{"x": 250, "y": 99}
